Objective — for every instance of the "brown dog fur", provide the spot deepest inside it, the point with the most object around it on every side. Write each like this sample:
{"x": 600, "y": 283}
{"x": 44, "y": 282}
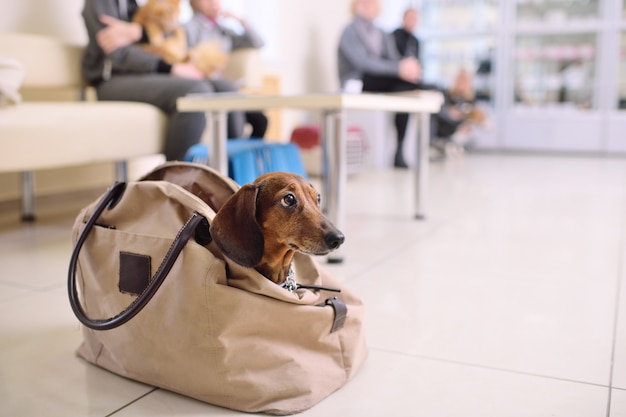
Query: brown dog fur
{"x": 167, "y": 37}
{"x": 263, "y": 224}
{"x": 160, "y": 19}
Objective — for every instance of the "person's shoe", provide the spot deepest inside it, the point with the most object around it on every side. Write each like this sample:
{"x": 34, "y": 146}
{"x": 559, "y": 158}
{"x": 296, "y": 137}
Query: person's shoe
{"x": 399, "y": 162}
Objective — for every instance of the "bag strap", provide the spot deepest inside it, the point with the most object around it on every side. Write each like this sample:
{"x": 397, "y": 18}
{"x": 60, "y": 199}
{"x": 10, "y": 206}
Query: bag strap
{"x": 341, "y": 311}
{"x": 184, "y": 234}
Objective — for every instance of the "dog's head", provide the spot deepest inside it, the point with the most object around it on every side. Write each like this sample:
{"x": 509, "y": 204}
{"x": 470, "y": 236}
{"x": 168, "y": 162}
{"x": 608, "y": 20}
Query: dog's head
{"x": 162, "y": 13}
{"x": 263, "y": 222}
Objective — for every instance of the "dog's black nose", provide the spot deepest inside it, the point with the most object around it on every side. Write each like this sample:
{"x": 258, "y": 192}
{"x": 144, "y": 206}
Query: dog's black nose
{"x": 334, "y": 239}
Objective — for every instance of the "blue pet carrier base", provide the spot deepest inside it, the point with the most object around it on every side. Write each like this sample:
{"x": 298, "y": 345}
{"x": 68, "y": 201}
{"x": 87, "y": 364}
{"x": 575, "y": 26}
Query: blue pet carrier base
{"x": 249, "y": 159}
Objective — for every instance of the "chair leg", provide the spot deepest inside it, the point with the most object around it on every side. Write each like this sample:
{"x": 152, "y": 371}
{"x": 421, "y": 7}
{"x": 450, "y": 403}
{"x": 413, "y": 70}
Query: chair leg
{"x": 121, "y": 171}
{"x": 28, "y": 196}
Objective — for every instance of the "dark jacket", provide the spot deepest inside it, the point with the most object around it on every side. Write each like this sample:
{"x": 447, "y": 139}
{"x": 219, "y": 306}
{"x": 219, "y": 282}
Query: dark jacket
{"x": 128, "y": 60}
{"x": 407, "y": 43}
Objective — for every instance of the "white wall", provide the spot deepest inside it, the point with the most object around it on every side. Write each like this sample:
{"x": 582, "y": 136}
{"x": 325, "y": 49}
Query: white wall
{"x": 303, "y": 53}
{"x": 48, "y": 17}
{"x": 302, "y": 45}
{"x": 307, "y": 34}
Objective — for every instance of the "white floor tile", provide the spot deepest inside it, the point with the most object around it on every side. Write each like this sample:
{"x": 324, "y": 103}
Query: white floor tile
{"x": 619, "y": 360}
{"x": 36, "y": 256}
{"x": 502, "y": 303}
{"x": 401, "y": 385}
{"x": 515, "y": 321}
{"x": 10, "y": 291}
{"x": 522, "y": 276}
{"x": 167, "y": 403}
{"x": 40, "y": 374}
{"x": 618, "y": 403}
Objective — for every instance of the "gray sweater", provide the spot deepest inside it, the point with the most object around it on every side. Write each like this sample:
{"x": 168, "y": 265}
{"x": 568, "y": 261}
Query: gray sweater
{"x": 357, "y": 55}
{"x": 200, "y": 29}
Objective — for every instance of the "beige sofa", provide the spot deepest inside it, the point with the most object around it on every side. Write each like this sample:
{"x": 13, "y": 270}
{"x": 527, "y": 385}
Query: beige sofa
{"x": 37, "y": 135}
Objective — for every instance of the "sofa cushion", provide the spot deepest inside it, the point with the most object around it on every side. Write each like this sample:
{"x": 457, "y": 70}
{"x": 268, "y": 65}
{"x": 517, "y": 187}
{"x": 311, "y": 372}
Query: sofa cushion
{"x": 43, "y": 135}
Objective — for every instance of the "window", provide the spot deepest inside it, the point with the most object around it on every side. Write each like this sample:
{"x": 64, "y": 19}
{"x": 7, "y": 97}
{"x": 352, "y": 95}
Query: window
{"x": 555, "y": 69}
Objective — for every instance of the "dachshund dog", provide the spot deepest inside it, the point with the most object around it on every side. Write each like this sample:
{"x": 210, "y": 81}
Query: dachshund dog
{"x": 264, "y": 223}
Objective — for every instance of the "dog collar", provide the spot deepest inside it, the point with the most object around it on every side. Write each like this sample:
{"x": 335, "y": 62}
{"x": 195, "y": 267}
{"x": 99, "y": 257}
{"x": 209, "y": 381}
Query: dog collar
{"x": 290, "y": 283}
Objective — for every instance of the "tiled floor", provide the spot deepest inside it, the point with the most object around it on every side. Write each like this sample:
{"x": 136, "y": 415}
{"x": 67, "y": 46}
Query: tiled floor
{"x": 509, "y": 300}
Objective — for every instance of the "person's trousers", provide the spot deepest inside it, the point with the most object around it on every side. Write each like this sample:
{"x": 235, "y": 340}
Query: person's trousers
{"x": 162, "y": 90}
{"x": 387, "y": 84}
{"x": 258, "y": 121}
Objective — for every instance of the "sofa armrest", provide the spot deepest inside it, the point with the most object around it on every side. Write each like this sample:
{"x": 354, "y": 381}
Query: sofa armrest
{"x": 245, "y": 68}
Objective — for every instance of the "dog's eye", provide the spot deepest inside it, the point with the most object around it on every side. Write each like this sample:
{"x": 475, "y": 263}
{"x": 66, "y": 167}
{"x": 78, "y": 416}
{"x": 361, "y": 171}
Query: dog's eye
{"x": 289, "y": 200}
{"x": 319, "y": 200}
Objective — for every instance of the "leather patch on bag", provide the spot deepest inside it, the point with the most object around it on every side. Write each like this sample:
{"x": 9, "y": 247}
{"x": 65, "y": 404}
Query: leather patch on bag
{"x": 134, "y": 273}
{"x": 341, "y": 311}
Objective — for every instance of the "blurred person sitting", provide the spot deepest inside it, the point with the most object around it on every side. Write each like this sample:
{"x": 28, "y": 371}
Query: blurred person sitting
{"x": 461, "y": 95}
{"x": 448, "y": 120}
{"x": 368, "y": 54}
{"x": 460, "y": 104}
{"x": 119, "y": 66}
{"x": 204, "y": 26}
{"x": 407, "y": 43}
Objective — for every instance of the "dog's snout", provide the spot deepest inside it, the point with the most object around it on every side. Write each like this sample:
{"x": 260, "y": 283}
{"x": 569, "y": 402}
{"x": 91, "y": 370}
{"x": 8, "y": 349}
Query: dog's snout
{"x": 334, "y": 239}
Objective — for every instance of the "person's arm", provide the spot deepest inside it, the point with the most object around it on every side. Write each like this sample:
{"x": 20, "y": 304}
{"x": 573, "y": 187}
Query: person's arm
{"x": 400, "y": 40}
{"x": 118, "y": 38}
{"x": 250, "y": 38}
{"x": 117, "y": 33}
{"x": 417, "y": 46}
{"x": 409, "y": 68}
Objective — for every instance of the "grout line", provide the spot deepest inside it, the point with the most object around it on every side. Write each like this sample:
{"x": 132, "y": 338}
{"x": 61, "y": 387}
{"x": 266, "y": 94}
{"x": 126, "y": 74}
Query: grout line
{"x": 387, "y": 257}
{"x": 18, "y": 285}
{"x": 34, "y": 289}
{"x": 132, "y": 402}
{"x": 618, "y": 290}
{"x": 491, "y": 368}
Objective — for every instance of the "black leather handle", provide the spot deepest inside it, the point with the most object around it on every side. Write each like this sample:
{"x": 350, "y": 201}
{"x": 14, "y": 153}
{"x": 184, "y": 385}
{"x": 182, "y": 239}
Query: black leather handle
{"x": 184, "y": 234}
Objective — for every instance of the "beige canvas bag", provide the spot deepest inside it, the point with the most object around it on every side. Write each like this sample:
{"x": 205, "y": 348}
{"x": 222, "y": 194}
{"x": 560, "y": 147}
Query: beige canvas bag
{"x": 160, "y": 304}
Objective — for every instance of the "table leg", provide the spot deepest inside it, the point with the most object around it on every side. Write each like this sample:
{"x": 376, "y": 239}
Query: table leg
{"x": 121, "y": 171}
{"x": 28, "y": 196}
{"x": 421, "y": 171}
{"x": 334, "y": 171}
{"x": 216, "y": 126}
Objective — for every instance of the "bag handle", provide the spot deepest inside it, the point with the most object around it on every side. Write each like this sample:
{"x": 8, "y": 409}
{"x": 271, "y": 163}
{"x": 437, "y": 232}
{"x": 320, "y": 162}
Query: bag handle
{"x": 183, "y": 236}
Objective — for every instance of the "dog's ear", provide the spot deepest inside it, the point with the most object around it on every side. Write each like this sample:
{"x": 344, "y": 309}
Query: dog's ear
{"x": 235, "y": 229}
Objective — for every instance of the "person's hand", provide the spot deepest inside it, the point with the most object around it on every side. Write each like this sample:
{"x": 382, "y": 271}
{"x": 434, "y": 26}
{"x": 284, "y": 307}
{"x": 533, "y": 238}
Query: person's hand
{"x": 117, "y": 33}
{"x": 186, "y": 70}
{"x": 229, "y": 15}
{"x": 410, "y": 70}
